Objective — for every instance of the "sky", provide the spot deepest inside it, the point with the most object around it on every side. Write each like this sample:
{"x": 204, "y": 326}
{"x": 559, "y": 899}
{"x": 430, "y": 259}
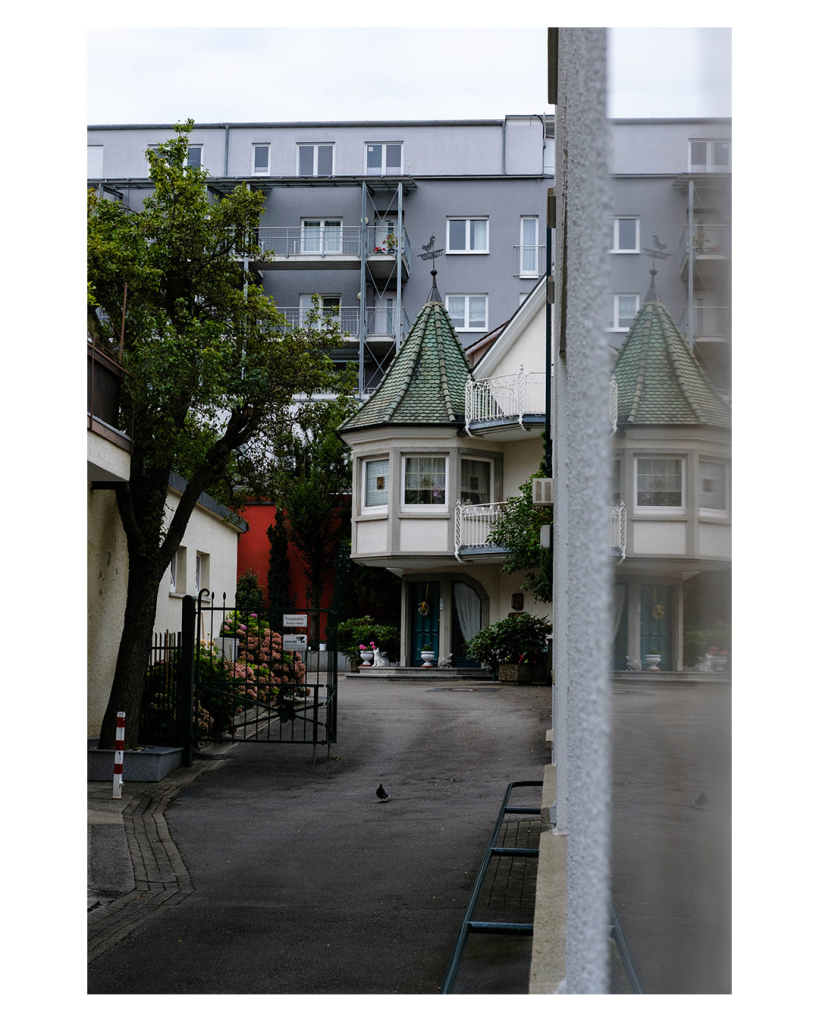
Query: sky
{"x": 164, "y": 75}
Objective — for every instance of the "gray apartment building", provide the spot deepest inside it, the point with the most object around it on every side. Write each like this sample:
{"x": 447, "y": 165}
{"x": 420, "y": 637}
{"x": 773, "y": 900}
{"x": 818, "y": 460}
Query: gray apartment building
{"x": 671, "y": 187}
{"x": 352, "y": 207}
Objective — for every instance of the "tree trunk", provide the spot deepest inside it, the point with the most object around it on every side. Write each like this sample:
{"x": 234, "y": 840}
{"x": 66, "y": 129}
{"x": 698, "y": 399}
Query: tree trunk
{"x": 134, "y": 653}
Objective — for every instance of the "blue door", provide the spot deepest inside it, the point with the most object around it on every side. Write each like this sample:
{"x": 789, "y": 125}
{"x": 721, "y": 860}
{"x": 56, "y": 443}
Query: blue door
{"x": 655, "y": 624}
{"x": 424, "y": 616}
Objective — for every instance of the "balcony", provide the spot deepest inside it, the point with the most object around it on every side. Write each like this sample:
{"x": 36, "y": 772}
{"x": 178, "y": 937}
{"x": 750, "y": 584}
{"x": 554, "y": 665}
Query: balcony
{"x": 529, "y": 261}
{"x": 710, "y": 323}
{"x": 711, "y": 247}
{"x": 381, "y": 246}
{"x": 105, "y": 376}
{"x": 309, "y": 247}
{"x": 506, "y": 405}
{"x": 381, "y": 324}
{"x": 617, "y": 530}
{"x": 473, "y": 524}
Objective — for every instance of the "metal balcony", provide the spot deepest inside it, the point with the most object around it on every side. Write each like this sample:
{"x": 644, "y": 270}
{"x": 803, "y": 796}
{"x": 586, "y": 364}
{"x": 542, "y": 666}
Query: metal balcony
{"x": 473, "y": 524}
{"x": 709, "y": 323}
{"x": 710, "y": 245}
{"x": 309, "y": 247}
{"x": 529, "y": 261}
{"x": 514, "y": 399}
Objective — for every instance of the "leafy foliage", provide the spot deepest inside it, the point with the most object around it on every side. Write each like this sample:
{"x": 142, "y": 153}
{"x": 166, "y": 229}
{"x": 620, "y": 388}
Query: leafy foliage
{"x": 278, "y": 573}
{"x": 249, "y": 595}
{"x": 518, "y": 531}
{"x": 698, "y": 642}
{"x": 352, "y": 633}
{"x": 522, "y": 639}
{"x": 213, "y": 368}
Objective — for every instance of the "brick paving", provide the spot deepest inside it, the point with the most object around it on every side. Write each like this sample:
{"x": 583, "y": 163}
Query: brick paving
{"x": 161, "y": 878}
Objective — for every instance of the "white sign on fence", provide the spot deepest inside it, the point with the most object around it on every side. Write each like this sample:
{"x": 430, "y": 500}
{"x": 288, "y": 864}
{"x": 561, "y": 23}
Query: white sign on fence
{"x": 294, "y": 620}
{"x": 294, "y": 641}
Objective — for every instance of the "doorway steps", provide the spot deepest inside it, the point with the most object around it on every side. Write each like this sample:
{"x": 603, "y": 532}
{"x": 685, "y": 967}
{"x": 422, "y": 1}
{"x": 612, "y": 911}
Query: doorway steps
{"x": 407, "y": 674}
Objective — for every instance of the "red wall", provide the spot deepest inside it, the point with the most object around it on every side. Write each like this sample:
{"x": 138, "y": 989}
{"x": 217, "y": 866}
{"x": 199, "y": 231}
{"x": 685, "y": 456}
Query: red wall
{"x": 254, "y": 553}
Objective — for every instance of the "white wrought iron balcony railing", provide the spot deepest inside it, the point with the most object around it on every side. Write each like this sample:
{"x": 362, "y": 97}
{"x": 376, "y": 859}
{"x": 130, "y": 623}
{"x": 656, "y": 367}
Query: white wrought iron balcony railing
{"x": 473, "y": 524}
{"x": 307, "y": 240}
{"x": 508, "y": 397}
{"x": 613, "y": 405}
{"x": 707, "y": 240}
{"x": 529, "y": 260}
{"x": 617, "y": 528}
{"x": 707, "y": 322}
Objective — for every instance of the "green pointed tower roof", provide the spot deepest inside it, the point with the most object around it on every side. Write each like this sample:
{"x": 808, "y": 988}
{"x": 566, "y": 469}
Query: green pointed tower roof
{"x": 426, "y": 382}
{"x": 658, "y": 379}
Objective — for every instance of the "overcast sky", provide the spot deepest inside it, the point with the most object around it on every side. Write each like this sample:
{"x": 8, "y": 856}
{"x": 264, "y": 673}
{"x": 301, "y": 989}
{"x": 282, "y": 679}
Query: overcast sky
{"x": 281, "y": 74}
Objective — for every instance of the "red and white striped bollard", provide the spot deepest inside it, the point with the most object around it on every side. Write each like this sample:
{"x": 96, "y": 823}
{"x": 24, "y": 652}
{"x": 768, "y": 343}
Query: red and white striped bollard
{"x": 119, "y": 749}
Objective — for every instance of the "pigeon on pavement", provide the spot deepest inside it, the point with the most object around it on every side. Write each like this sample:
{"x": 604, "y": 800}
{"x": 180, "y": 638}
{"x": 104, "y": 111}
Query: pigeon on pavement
{"x": 381, "y": 793}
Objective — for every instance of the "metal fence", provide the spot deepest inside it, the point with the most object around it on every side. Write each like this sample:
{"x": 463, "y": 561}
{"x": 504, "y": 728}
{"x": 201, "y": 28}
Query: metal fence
{"x": 159, "y": 720}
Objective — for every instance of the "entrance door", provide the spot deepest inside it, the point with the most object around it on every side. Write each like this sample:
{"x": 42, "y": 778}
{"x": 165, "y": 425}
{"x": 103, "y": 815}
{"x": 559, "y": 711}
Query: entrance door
{"x": 424, "y": 616}
{"x": 655, "y": 628}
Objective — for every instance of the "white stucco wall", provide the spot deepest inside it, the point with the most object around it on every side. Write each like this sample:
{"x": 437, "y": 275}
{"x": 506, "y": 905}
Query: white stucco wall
{"x": 107, "y": 582}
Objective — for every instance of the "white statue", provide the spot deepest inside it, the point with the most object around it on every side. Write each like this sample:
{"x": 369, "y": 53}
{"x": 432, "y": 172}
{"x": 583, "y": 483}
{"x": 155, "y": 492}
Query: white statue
{"x": 379, "y": 661}
{"x": 445, "y": 662}
{"x": 632, "y": 665}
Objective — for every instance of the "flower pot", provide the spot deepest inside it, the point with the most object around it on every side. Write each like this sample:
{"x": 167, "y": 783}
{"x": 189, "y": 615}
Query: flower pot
{"x": 514, "y": 672}
{"x": 367, "y": 659}
{"x": 427, "y": 657}
{"x": 653, "y": 662}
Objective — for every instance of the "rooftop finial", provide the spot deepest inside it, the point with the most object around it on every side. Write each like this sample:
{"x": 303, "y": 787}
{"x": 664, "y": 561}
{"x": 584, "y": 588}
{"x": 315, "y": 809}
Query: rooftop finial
{"x": 651, "y": 295}
{"x": 434, "y": 295}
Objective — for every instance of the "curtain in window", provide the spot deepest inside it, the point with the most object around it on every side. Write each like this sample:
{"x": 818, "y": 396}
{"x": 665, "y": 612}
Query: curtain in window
{"x": 617, "y": 605}
{"x": 467, "y": 608}
{"x": 528, "y": 247}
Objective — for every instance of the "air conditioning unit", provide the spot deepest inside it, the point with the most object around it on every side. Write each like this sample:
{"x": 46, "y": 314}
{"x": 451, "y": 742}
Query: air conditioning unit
{"x": 542, "y": 491}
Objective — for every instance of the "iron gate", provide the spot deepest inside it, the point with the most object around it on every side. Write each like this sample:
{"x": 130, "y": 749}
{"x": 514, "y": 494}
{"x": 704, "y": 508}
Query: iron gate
{"x": 260, "y": 676}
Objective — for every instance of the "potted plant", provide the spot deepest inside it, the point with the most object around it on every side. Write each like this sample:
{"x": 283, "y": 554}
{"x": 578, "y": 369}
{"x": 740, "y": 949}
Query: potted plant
{"x": 653, "y": 659}
{"x": 354, "y": 636}
{"x": 512, "y": 647}
{"x": 391, "y": 242}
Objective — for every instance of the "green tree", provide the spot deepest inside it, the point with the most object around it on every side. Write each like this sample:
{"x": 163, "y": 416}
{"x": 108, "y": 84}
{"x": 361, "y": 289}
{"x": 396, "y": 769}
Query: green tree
{"x": 212, "y": 370}
{"x": 518, "y": 531}
{"x": 278, "y": 573}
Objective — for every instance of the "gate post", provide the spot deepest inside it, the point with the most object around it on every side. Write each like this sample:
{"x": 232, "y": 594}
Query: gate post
{"x": 184, "y": 685}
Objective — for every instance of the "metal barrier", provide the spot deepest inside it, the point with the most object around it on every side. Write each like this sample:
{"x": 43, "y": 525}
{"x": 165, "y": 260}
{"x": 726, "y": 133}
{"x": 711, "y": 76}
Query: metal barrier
{"x": 470, "y": 924}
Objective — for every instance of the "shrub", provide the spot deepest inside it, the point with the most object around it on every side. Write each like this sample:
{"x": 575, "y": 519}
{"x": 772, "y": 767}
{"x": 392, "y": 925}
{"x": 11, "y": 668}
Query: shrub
{"x": 354, "y": 632}
{"x": 521, "y": 639}
{"x": 697, "y": 642}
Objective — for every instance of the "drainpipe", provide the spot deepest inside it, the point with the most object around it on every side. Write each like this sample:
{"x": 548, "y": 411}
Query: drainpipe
{"x": 399, "y": 267}
{"x": 690, "y": 331}
{"x": 227, "y": 140}
{"x": 503, "y": 147}
{"x": 362, "y": 295}
{"x": 547, "y": 441}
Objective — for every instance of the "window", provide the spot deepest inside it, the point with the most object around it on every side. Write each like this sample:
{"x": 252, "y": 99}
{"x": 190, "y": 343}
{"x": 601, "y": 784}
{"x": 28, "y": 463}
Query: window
{"x": 384, "y": 158}
{"x": 626, "y": 234}
{"x": 624, "y": 311}
{"x": 174, "y": 569}
{"x": 178, "y": 570}
{"x": 328, "y": 307}
{"x": 320, "y": 235}
{"x": 261, "y": 158}
{"x": 425, "y": 480}
{"x": 468, "y": 312}
{"x": 709, "y": 155}
{"x": 376, "y": 483}
{"x": 194, "y": 156}
{"x": 659, "y": 483}
{"x": 615, "y": 482}
{"x": 528, "y": 247}
{"x": 467, "y": 234}
{"x": 95, "y": 161}
{"x": 713, "y": 489}
{"x": 476, "y": 482}
{"x": 315, "y": 160}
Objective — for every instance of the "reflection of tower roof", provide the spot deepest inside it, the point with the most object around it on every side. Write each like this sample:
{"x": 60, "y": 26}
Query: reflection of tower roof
{"x": 658, "y": 379}
{"x": 426, "y": 381}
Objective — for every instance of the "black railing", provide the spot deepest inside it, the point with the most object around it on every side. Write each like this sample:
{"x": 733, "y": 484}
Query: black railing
{"x": 159, "y": 722}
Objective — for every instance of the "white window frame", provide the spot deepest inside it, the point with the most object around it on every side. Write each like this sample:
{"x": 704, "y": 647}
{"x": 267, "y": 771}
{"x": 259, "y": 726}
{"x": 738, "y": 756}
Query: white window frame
{"x": 383, "y": 172}
{"x": 467, "y": 251}
{"x": 615, "y": 236}
{"x": 253, "y": 147}
{"x": 472, "y": 458}
{"x": 716, "y": 513}
{"x": 174, "y": 568}
{"x": 442, "y": 507}
{"x": 467, "y": 297}
{"x": 314, "y": 146}
{"x": 322, "y": 228}
{"x": 615, "y": 311}
{"x": 660, "y": 510}
{"x": 616, "y": 478}
{"x": 99, "y": 152}
{"x": 709, "y": 157}
{"x": 383, "y": 508}
{"x": 529, "y": 275}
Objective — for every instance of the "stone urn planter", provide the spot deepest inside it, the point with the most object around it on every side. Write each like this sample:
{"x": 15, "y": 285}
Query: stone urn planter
{"x": 427, "y": 657}
{"x": 653, "y": 662}
{"x": 515, "y": 673}
{"x": 719, "y": 662}
{"x": 367, "y": 659}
